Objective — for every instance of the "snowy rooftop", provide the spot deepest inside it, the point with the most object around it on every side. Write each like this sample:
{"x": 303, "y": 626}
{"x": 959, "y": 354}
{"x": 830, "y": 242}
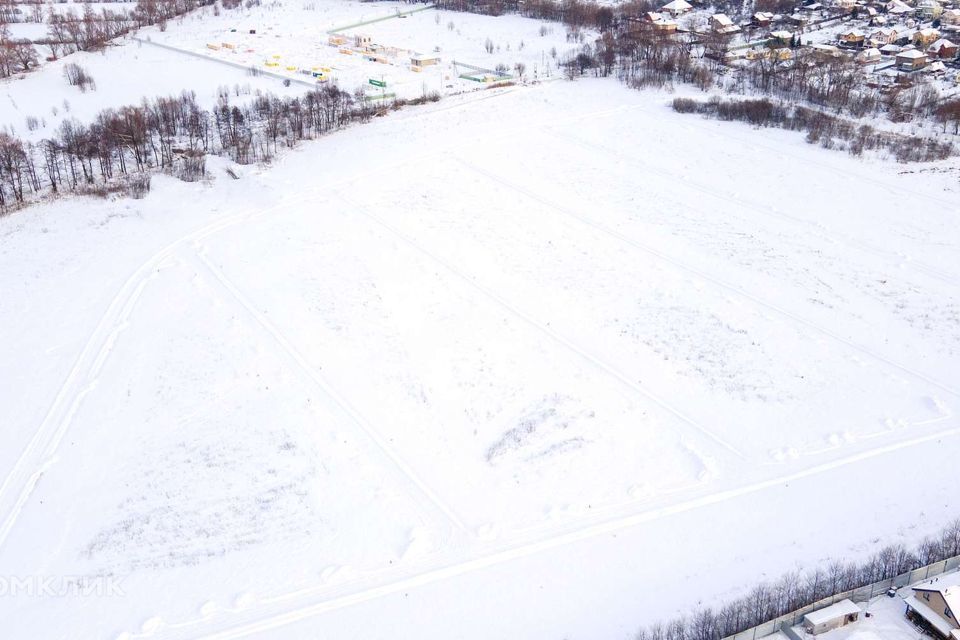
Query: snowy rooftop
{"x": 886, "y": 622}
{"x": 948, "y": 585}
{"x": 836, "y": 610}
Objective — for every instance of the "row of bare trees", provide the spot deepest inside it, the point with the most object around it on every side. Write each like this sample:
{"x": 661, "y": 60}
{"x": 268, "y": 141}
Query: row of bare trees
{"x": 823, "y": 128}
{"x": 16, "y": 54}
{"x": 170, "y": 134}
{"x": 797, "y": 589}
{"x": 69, "y": 30}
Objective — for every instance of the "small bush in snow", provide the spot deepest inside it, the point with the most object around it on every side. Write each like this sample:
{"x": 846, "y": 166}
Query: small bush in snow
{"x": 78, "y": 77}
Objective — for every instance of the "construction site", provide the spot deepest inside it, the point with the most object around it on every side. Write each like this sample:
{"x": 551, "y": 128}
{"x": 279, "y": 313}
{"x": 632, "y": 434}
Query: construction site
{"x": 400, "y": 52}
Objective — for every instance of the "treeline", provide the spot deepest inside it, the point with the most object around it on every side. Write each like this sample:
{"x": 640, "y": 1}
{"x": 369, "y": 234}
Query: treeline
{"x": 573, "y": 13}
{"x": 827, "y": 130}
{"x": 796, "y": 589}
{"x": 69, "y": 30}
{"x": 171, "y": 134}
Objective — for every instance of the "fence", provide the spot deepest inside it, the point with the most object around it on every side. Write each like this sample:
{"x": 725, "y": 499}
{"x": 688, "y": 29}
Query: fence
{"x": 861, "y": 594}
{"x": 397, "y": 14}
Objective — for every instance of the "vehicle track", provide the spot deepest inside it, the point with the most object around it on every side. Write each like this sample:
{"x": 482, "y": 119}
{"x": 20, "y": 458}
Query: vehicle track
{"x": 553, "y": 335}
{"x": 240, "y": 623}
{"x": 704, "y": 276}
{"x": 764, "y": 211}
{"x": 329, "y": 390}
{"x": 40, "y": 452}
{"x": 860, "y": 176}
{"x": 38, "y": 455}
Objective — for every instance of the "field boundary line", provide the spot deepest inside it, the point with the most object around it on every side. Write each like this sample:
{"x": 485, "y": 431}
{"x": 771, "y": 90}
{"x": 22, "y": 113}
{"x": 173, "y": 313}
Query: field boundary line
{"x": 321, "y": 383}
{"x": 254, "y": 624}
{"x": 704, "y": 276}
{"x": 529, "y": 320}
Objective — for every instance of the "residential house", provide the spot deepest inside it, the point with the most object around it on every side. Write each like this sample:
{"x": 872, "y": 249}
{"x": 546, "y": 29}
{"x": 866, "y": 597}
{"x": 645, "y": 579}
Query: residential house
{"x": 660, "y": 22}
{"x": 852, "y": 38}
{"x": 925, "y": 37}
{"x": 870, "y": 55}
{"x": 929, "y": 9}
{"x": 882, "y": 36}
{"x": 942, "y": 49}
{"x": 911, "y": 60}
{"x": 898, "y": 7}
{"x": 676, "y": 7}
{"x": 935, "y": 604}
{"x": 721, "y": 23}
{"x": 764, "y": 18}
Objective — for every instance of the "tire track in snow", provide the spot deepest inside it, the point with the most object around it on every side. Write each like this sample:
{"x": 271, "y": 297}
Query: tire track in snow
{"x": 247, "y": 622}
{"x": 713, "y": 193}
{"x": 38, "y": 455}
{"x": 833, "y": 168}
{"x": 703, "y": 275}
{"x": 40, "y": 452}
{"x": 529, "y": 320}
{"x": 321, "y": 382}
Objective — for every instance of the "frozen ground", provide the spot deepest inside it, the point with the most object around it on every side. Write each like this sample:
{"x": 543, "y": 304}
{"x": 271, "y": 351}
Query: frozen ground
{"x": 543, "y": 362}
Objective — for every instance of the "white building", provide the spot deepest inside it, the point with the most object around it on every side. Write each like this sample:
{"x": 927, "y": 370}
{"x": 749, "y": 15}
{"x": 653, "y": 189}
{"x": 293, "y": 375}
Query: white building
{"x": 836, "y": 615}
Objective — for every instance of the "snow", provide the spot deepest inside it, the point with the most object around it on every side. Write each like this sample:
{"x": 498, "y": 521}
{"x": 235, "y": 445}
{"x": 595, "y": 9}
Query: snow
{"x": 944, "y": 583}
{"x": 912, "y": 54}
{"x": 887, "y": 621}
{"x": 836, "y": 610}
{"x": 124, "y": 75}
{"x": 299, "y": 36}
{"x": 677, "y": 6}
{"x": 493, "y": 367}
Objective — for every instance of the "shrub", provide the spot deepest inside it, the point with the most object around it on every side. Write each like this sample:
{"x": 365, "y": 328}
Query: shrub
{"x": 77, "y": 76}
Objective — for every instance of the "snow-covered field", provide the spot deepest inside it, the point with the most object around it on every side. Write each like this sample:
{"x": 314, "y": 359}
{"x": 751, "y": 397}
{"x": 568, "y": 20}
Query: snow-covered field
{"x": 539, "y": 362}
{"x": 124, "y": 75}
